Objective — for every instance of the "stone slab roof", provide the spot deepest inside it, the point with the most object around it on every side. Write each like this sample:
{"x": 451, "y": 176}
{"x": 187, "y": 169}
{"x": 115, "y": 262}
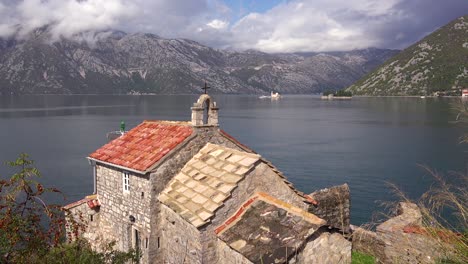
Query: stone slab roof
{"x": 140, "y": 148}
{"x": 307, "y": 198}
{"x": 268, "y": 230}
{"x": 206, "y": 181}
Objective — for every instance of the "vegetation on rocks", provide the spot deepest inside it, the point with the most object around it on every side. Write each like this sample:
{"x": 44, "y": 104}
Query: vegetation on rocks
{"x": 361, "y": 258}
{"x": 435, "y": 65}
{"x": 33, "y": 231}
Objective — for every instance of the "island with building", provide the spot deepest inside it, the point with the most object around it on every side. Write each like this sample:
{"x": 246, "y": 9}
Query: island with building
{"x": 340, "y": 94}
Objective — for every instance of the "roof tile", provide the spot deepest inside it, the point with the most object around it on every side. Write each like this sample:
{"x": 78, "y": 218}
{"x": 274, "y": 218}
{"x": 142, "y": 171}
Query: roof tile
{"x": 207, "y": 184}
{"x": 143, "y": 146}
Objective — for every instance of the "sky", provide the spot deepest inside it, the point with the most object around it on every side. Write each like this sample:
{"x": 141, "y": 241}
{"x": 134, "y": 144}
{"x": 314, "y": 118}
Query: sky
{"x": 265, "y": 25}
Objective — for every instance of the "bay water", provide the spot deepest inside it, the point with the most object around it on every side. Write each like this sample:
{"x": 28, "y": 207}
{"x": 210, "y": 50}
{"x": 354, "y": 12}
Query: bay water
{"x": 365, "y": 142}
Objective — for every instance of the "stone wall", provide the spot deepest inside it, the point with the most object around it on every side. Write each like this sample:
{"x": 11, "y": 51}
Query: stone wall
{"x": 168, "y": 169}
{"x": 118, "y": 205}
{"x": 261, "y": 179}
{"x": 391, "y": 243}
{"x": 326, "y": 248}
{"x": 88, "y": 219}
{"x": 180, "y": 240}
{"x": 227, "y": 255}
{"x": 333, "y": 206}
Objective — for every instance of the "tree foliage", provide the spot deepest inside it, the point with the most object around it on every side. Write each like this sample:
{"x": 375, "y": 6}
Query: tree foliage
{"x": 33, "y": 231}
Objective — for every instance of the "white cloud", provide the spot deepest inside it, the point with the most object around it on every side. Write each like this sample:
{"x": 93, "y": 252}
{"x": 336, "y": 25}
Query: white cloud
{"x": 218, "y": 24}
{"x": 296, "y": 25}
{"x": 310, "y": 25}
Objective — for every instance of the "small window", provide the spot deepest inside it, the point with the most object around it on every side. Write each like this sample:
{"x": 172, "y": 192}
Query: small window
{"x": 126, "y": 182}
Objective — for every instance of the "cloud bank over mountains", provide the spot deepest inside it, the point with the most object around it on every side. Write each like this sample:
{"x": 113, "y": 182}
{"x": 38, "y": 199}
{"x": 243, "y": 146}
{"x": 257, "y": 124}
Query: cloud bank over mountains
{"x": 290, "y": 26}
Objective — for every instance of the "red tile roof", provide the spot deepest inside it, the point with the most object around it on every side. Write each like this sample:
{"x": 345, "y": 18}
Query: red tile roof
{"x": 144, "y": 145}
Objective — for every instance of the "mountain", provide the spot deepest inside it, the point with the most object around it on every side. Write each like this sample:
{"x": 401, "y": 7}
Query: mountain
{"x": 437, "y": 63}
{"x": 120, "y": 63}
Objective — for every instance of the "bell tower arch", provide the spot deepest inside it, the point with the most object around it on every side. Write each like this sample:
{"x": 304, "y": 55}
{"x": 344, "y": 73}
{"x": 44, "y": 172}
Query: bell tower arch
{"x": 204, "y": 112}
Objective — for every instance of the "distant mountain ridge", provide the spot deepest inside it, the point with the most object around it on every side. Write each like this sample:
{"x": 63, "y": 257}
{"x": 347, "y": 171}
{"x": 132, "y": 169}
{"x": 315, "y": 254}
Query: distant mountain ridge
{"x": 120, "y": 63}
{"x": 436, "y": 64}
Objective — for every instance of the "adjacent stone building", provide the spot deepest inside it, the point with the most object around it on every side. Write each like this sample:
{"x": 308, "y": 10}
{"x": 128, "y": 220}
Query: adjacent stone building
{"x": 188, "y": 192}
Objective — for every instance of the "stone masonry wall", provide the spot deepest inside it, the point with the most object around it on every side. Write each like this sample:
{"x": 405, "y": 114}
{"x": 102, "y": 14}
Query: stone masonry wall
{"x": 169, "y": 168}
{"x": 227, "y": 255}
{"x": 117, "y": 205}
{"x": 180, "y": 240}
{"x": 333, "y": 206}
{"x": 327, "y": 248}
{"x": 88, "y": 218}
{"x": 261, "y": 179}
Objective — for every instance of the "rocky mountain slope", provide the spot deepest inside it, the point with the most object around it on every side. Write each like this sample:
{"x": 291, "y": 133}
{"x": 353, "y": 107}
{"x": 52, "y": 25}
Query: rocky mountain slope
{"x": 120, "y": 63}
{"x": 438, "y": 63}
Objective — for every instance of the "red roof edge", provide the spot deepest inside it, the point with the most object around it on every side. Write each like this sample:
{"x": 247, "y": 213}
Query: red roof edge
{"x": 91, "y": 200}
{"x": 75, "y": 204}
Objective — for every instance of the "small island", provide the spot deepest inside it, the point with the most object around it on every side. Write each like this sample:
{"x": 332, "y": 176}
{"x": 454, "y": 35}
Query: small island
{"x": 340, "y": 94}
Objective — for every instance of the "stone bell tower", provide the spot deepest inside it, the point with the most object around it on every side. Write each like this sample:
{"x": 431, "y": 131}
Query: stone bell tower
{"x": 204, "y": 111}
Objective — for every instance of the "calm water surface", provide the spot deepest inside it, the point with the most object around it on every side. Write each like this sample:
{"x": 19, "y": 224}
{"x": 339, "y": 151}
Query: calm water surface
{"x": 364, "y": 142}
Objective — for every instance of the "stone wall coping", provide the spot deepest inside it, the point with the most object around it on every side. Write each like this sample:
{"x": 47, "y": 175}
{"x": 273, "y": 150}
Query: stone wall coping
{"x": 80, "y": 202}
{"x": 409, "y": 214}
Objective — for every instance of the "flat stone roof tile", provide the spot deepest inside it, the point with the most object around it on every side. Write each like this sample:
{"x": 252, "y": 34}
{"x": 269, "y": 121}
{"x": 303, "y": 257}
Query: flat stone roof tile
{"x": 204, "y": 215}
{"x": 201, "y": 189}
{"x": 191, "y": 184}
{"x": 199, "y": 165}
{"x": 231, "y": 178}
{"x": 247, "y": 162}
{"x": 200, "y": 176}
{"x": 230, "y": 168}
{"x": 192, "y": 207}
{"x": 211, "y": 206}
{"x": 208, "y": 170}
{"x": 208, "y": 192}
{"x": 198, "y": 222}
{"x": 199, "y": 199}
{"x": 219, "y": 164}
{"x": 216, "y": 153}
{"x": 219, "y": 198}
{"x": 211, "y": 161}
{"x": 189, "y": 193}
{"x": 204, "y": 183}
{"x": 241, "y": 171}
{"x": 235, "y": 158}
{"x": 226, "y": 188}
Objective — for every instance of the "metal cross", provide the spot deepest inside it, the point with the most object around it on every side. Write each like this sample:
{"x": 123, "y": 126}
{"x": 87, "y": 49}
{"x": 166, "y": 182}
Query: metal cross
{"x": 206, "y": 88}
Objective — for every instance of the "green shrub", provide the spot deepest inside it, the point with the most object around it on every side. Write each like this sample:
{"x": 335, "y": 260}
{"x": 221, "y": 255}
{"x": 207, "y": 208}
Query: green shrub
{"x": 361, "y": 258}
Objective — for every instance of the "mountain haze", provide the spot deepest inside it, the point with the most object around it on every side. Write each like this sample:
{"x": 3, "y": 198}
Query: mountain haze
{"x": 120, "y": 63}
{"x": 437, "y": 63}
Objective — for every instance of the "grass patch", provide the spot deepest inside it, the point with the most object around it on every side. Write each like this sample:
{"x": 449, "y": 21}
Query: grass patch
{"x": 361, "y": 258}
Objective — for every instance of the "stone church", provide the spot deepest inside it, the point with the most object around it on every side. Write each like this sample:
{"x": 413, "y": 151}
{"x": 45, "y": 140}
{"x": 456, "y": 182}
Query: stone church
{"x": 188, "y": 192}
